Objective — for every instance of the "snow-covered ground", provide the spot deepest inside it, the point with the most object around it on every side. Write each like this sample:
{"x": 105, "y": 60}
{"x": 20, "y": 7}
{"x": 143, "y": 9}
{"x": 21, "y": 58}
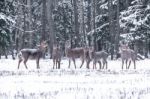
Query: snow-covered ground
{"x": 65, "y": 83}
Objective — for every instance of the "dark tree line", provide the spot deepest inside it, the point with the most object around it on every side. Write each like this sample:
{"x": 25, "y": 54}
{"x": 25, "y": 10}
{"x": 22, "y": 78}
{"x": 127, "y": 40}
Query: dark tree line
{"x": 99, "y": 23}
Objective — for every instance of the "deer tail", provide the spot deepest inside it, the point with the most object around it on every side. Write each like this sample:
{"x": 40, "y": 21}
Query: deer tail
{"x": 20, "y": 55}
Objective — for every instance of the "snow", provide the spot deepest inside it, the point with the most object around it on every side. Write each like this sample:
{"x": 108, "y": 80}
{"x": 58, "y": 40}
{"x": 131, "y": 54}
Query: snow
{"x": 98, "y": 29}
{"x": 48, "y": 83}
{"x": 8, "y": 18}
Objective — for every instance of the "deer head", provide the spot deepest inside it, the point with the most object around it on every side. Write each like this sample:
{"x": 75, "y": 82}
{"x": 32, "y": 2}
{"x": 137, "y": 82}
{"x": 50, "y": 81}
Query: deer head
{"x": 91, "y": 52}
{"x": 43, "y": 45}
{"x": 67, "y": 44}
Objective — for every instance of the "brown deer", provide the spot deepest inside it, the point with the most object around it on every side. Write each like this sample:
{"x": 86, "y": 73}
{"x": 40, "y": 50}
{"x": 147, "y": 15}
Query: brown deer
{"x": 56, "y": 56}
{"x": 74, "y": 53}
{"x": 87, "y": 57}
{"x": 36, "y": 54}
{"x": 98, "y": 57}
{"x": 127, "y": 55}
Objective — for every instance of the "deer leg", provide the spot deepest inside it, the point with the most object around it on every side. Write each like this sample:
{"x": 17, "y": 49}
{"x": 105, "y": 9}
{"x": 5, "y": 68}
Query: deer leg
{"x": 53, "y": 63}
{"x": 37, "y": 63}
{"x": 69, "y": 63}
{"x": 94, "y": 66}
{"x": 94, "y": 63}
{"x": 129, "y": 64}
{"x": 25, "y": 61}
{"x": 74, "y": 62}
{"x": 100, "y": 65}
{"x": 88, "y": 62}
{"x": 126, "y": 64}
{"x": 59, "y": 64}
{"x": 20, "y": 60}
{"x": 56, "y": 64}
{"x": 122, "y": 63}
{"x": 82, "y": 63}
{"x": 134, "y": 64}
{"x": 104, "y": 64}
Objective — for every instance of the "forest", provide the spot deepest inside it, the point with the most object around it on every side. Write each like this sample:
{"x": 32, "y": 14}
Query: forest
{"x": 99, "y": 23}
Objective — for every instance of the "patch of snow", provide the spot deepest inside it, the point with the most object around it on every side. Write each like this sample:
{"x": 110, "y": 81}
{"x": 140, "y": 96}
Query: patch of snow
{"x": 73, "y": 83}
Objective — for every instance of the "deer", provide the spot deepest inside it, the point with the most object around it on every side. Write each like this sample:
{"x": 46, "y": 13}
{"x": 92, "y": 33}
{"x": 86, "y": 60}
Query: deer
{"x": 87, "y": 57}
{"x": 56, "y": 56}
{"x": 98, "y": 57}
{"x": 127, "y": 54}
{"x": 35, "y": 54}
{"x": 74, "y": 53}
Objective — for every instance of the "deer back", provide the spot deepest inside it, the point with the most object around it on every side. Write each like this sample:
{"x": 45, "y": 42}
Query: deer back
{"x": 75, "y": 52}
{"x": 56, "y": 52}
{"x": 31, "y": 53}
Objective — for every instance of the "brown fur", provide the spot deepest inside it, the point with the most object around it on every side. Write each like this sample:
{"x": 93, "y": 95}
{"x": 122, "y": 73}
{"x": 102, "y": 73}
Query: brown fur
{"x": 36, "y": 54}
{"x": 74, "y": 53}
{"x": 56, "y": 56}
{"x": 128, "y": 55}
{"x": 97, "y": 57}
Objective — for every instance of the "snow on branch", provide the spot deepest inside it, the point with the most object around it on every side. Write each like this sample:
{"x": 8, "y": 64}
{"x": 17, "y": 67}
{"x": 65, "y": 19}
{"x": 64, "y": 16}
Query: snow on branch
{"x": 6, "y": 18}
{"x": 98, "y": 29}
{"x": 20, "y": 29}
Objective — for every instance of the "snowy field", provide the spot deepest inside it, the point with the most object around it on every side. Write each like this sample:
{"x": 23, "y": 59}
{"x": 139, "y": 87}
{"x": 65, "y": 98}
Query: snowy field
{"x": 65, "y": 83}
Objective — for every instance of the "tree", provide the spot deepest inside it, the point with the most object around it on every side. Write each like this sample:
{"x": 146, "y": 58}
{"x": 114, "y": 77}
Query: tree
{"x": 117, "y": 36}
{"x": 76, "y": 25}
{"x": 93, "y": 23}
{"x": 30, "y": 23}
{"x": 111, "y": 27}
{"x": 43, "y": 37}
{"x": 52, "y": 36}
{"x": 5, "y": 27}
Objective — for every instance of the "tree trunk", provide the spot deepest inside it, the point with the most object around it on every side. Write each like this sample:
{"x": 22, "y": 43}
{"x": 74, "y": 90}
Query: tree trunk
{"x": 43, "y": 38}
{"x": 76, "y": 25}
{"x": 127, "y": 4}
{"x": 30, "y": 24}
{"x": 51, "y": 28}
{"x": 93, "y": 25}
{"x": 88, "y": 28}
{"x": 18, "y": 35}
{"x": 89, "y": 16}
{"x": 24, "y": 26}
{"x": 82, "y": 28}
{"x": 118, "y": 29}
{"x": 5, "y": 53}
{"x": 146, "y": 47}
{"x": 111, "y": 28}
